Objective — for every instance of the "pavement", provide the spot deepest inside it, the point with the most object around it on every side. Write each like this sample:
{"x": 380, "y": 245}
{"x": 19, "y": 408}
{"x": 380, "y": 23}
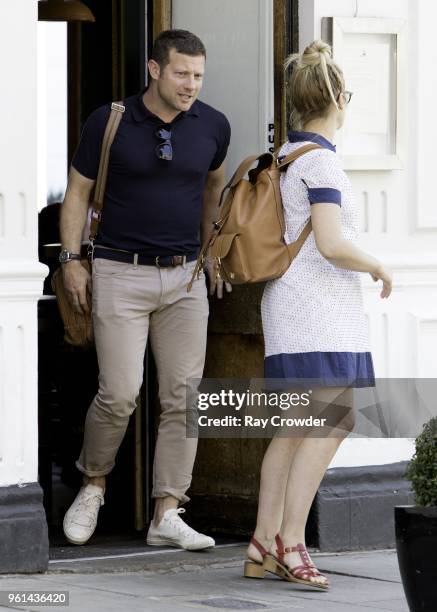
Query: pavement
{"x": 164, "y": 580}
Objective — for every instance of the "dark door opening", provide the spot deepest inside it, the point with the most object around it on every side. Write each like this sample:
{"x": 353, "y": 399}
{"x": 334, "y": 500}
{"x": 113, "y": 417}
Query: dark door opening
{"x": 106, "y": 61}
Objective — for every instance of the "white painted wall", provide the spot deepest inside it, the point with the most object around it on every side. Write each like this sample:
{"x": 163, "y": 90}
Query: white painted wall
{"x": 399, "y": 218}
{"x": 21, "y": 275}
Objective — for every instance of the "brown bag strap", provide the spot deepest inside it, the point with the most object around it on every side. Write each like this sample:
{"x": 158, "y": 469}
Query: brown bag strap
{"x": 243, "y": 168}
{"x": 296, "y": 246}
{"x": 200, "y": 258}
{"x": 117, "y": 110}
{"x": 282, "y": 162}
{"x": 285, "y": 160}
{"x": 241, "y": 171}
{"x": 266, "y": 159}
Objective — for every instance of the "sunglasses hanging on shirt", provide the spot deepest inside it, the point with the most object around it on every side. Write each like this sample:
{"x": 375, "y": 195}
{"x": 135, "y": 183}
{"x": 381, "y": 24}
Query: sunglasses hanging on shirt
{"x": 164, "y": 150}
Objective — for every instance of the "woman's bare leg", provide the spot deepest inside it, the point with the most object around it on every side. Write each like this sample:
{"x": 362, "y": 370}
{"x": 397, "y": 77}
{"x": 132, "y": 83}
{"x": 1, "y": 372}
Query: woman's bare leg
{"x": 274, "y": 476}
{"x": 307, "y": 469}
{"x": 283, "y": 468}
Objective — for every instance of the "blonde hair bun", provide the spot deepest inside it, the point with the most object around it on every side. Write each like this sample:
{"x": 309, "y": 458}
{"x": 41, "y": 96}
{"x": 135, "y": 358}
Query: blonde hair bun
{"x": 314, "y": 83}
{"x": 317, "y": 52}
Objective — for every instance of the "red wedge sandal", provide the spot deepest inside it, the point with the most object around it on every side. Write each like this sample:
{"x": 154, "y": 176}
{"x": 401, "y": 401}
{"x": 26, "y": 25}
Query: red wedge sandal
{"x": 255, "y": 569}
{"x": 300, "y": 574}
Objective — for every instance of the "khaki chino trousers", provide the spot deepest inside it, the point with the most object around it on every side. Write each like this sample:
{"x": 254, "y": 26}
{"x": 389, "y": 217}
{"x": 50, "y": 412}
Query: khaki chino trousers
{"x": 131, "y": 304}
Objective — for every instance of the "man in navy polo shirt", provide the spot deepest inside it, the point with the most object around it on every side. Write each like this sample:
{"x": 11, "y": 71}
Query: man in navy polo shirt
{"x": 166, "y": 173}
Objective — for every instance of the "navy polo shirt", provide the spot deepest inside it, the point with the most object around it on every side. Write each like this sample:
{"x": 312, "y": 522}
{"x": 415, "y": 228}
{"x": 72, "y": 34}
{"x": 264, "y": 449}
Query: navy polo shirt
{"x": 153, "y": 206}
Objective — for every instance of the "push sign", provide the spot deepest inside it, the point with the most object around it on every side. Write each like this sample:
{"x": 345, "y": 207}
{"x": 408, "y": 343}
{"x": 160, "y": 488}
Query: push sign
{"x": 271, "y": 136}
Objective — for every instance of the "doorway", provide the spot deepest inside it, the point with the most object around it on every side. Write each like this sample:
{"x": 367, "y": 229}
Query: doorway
{"x": 107, "y": 61}
{"x": 88, "y": 64}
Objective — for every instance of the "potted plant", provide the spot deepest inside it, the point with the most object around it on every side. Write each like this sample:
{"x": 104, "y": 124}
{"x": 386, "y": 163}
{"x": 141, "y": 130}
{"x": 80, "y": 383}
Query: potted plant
{"x": 416, "y": 526}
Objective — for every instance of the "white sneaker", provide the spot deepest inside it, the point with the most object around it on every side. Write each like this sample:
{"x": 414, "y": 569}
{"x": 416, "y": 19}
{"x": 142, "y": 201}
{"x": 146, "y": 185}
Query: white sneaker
{"x": 173, "y": 531}
{"x": 80, "y": 519}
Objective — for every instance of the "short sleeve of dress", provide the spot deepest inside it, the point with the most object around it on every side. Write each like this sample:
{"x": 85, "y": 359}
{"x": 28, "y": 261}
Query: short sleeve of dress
{"x": 87, "y": 156}
{"x": 320, "y": 172}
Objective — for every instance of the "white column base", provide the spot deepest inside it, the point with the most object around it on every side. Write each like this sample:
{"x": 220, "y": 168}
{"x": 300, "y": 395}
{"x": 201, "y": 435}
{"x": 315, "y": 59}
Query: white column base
{"x": 20, "y": 287}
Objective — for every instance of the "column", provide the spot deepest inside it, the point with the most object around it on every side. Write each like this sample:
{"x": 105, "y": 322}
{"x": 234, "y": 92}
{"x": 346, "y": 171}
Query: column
{"x": 23, "y": 527}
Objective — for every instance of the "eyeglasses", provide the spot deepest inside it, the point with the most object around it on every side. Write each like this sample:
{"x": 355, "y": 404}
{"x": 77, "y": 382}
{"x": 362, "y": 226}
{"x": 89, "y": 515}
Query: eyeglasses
{"x": 164, "y": 150}
{"x": 347, "y": 95}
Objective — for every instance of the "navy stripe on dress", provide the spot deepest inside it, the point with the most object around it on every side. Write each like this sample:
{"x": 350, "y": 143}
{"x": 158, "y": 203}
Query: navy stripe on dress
{"x": 323, "y": 195}
{"x": 328, "y": 369}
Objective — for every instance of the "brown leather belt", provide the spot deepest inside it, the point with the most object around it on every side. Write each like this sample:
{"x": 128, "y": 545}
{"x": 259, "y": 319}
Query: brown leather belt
{"x": 160, "y": 261}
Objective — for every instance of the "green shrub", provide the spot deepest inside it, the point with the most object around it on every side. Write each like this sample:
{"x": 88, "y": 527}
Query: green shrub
{"x": 422, "y": 469}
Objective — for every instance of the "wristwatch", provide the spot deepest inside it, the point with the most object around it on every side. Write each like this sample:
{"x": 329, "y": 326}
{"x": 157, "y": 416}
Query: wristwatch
{"x": 66, "y": 256}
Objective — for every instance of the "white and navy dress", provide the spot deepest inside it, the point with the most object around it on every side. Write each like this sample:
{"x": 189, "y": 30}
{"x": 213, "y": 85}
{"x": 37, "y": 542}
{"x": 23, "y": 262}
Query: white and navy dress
{"x": 313, "y": 319}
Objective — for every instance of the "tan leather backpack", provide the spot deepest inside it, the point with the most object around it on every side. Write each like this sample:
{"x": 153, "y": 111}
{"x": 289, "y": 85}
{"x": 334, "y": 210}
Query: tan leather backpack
{"x": 247, "y": 242}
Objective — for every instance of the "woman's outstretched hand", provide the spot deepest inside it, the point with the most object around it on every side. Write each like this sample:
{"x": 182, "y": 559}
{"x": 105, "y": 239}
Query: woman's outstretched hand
{"x": 384, "y": 274}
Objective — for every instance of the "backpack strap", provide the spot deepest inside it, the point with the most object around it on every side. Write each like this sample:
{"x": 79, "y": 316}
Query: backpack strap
{"x": 240, "y": 172}
{"x": 265, "y": 160}
{"x": 285, "y": 160}
{"x": 117, "y": 109}
{"x": 294, "y": 247}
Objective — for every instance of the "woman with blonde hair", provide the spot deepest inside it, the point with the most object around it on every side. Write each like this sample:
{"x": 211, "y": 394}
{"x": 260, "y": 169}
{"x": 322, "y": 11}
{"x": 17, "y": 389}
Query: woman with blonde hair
{"x": 313, "y": 320}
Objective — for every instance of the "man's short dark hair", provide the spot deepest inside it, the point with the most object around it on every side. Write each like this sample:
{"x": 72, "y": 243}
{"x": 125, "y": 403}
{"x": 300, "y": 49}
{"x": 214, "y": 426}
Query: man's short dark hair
{"x": 181, "y": 41}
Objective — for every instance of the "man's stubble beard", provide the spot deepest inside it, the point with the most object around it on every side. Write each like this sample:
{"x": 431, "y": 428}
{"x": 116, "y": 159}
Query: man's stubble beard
{"x": 166, "y": 101}
{"x": 171, "y": 105}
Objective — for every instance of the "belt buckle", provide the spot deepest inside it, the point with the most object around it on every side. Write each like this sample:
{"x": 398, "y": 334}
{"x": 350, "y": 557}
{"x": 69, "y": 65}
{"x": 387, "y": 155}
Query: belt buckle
{"x": 173, "y": 264}
{"x": 182, "y": 262}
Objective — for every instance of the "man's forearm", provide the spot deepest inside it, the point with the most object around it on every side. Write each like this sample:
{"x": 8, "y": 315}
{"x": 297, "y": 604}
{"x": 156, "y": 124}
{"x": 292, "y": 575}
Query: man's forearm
{"x": 211, "y": 199}
{"x": 74, "y": 211}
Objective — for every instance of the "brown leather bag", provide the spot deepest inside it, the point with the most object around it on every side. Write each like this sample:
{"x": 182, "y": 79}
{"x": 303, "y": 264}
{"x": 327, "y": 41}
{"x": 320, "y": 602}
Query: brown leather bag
{"x": 247, "y": 243}
{"x": 78, "y": 327}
